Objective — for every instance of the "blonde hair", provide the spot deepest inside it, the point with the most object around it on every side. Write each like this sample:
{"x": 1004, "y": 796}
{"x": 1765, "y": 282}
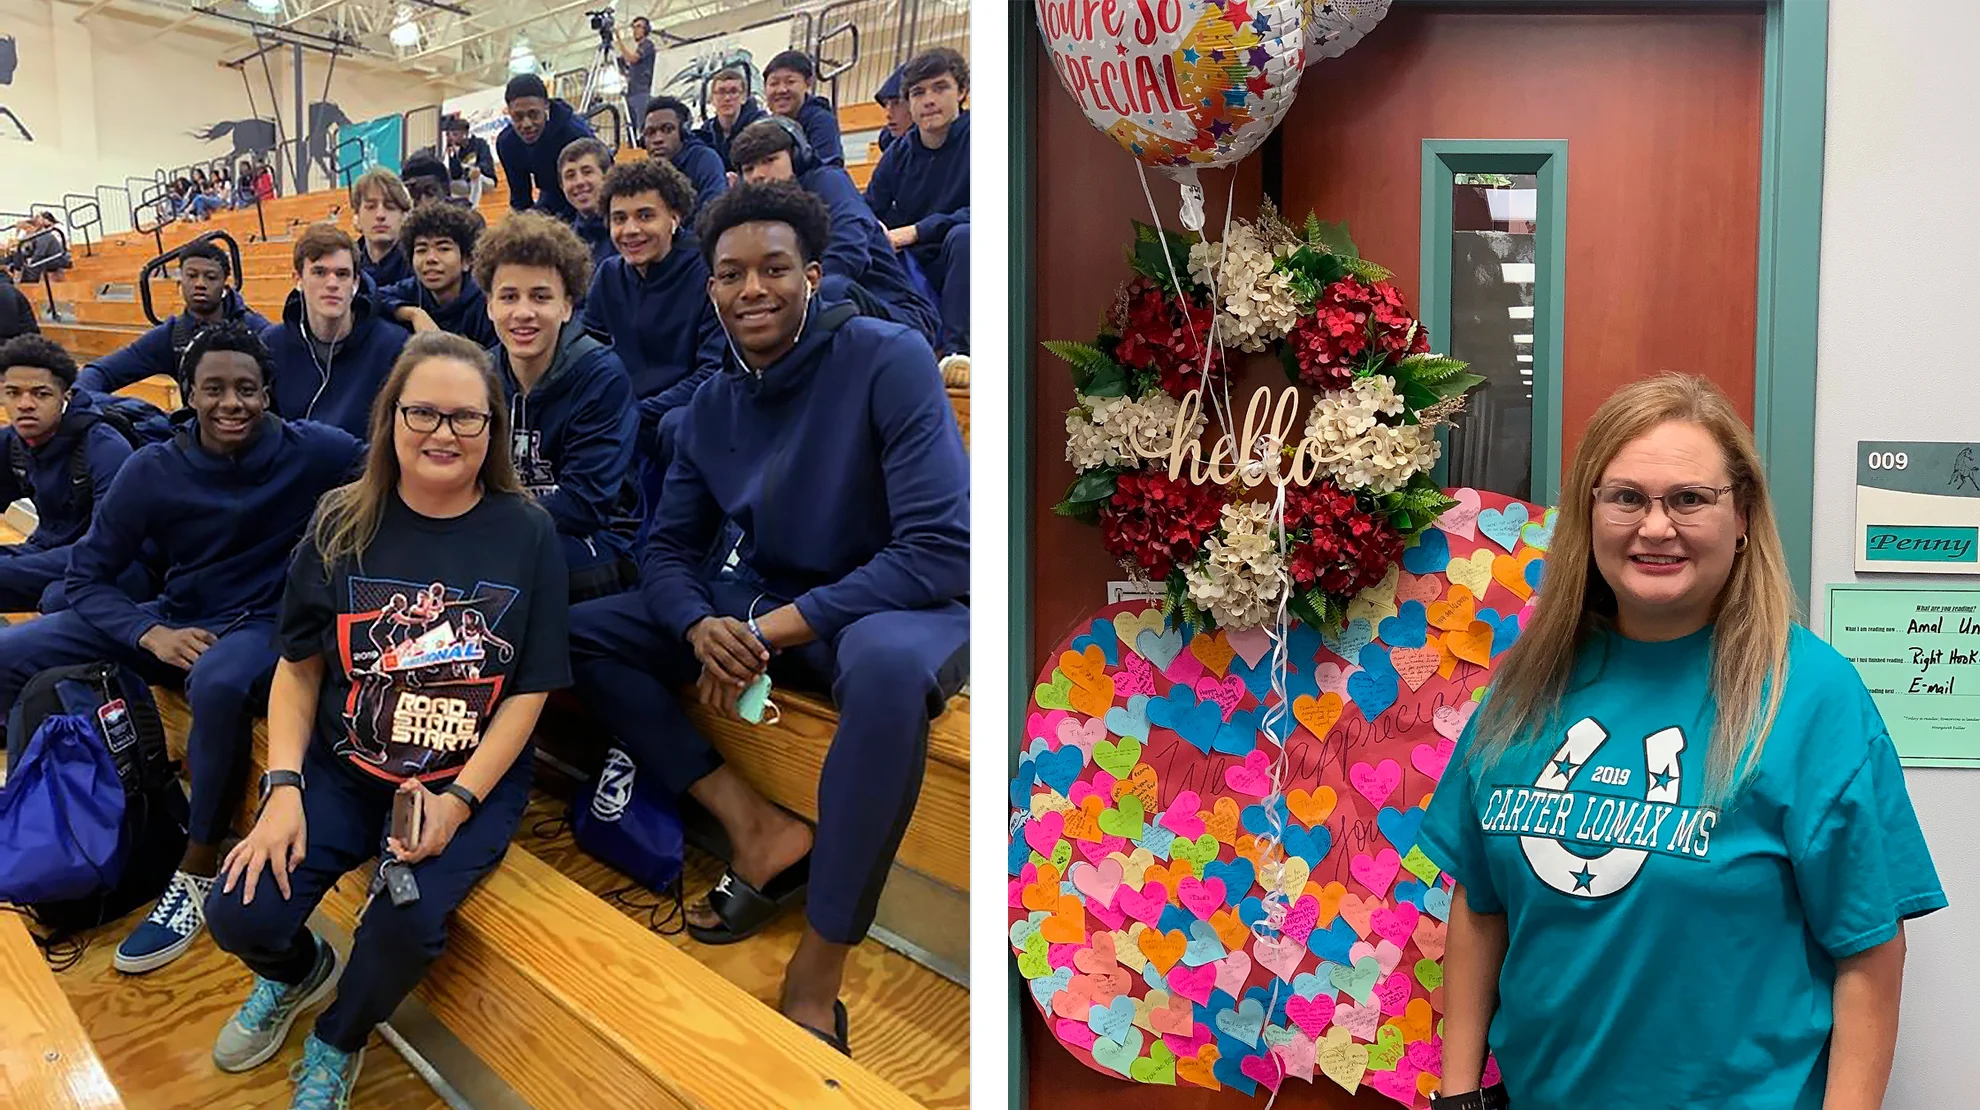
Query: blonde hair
{"x": 1756, "y": 610}
{"x": 388, "y": 186}
{"x": 347, "y": 517}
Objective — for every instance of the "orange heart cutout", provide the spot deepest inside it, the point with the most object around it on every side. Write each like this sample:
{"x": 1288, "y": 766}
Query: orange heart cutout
{"x": 1076, "y": 999}
{"x": 1454, "y": 613}
{"x": 1084, "y": 823}
{"x": 1318, "y": 715}
{"x": 1178, "y": 1017}
{"x": 1506, "y": 572}
{"x": 1107, "y": 985}
{"x": 1427, "y": 1083}
{"x": 1312, "y": 808}
{"x": 1167, "y": 876}
{"x": 1528, "y": 556}
{"x": 1418, "y": 587}
{"x": 1231, "y": 929}
{"x": 1473, "y": 643}
{"x": 1330, "y": 901}
{"x": 1067, "y": 925}
{"x": 1249, "y": 848}
{"x": 1446, "y": 662}
{"x": 1200, "y": 1068}
{"x": 1140, "y": 782}
{"x": 1356, "y": 911}
{"x": 1430, "y": 937}
{"x": 1416, "y": 665}
{"x": 1214, "y": 651}
{"x": 1163, "y": 949}
{"x": 1221, "y": 820}
{"x": 1044, "y": 893}
{"x": 1415, "y": 1022}
{"x": 1098, "y": 957}
{"x": 1093, "y": 688}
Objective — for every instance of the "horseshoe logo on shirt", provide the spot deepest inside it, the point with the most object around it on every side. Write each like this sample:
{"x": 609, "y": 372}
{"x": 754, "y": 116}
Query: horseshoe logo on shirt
{"x": 1600, "y": 876}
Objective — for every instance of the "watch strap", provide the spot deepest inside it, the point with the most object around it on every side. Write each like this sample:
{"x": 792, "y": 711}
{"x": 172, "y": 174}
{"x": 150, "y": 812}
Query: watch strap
{"x": 272, "y": 779}
{"x": 465, "y": 795}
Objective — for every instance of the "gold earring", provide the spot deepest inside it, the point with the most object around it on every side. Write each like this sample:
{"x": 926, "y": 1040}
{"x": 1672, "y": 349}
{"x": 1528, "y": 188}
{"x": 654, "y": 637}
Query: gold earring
{"x": 1740, "y": 544}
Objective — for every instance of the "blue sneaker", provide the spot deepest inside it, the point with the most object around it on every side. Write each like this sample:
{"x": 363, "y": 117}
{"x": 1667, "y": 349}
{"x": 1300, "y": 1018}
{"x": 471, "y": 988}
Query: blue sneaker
{"x": 258, "y": 1029}
{"x": 324, "y": 1077}
{"x": 165, "y": 935}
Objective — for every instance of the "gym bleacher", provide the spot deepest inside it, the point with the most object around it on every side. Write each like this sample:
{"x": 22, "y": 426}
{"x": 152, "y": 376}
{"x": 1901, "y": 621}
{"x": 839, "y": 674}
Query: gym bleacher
{"x": 555, "y": 990}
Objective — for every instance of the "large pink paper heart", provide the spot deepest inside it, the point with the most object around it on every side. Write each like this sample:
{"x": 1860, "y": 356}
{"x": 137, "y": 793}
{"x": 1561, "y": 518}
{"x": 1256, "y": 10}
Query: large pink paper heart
{"x": 1082, "y": 735}
{"x": 1332, "y": 678}
{"x": 1181, "y": 816}
{"x": 1461, "y": 519}
{"x": 1201, "y": 897}
{"x": 1227, "y": 692}
{"x": 1425, "y": 588}
{"x": 1297, "y": 1055}
{"x": 1098, "y": 881}
{"x": 1199, "y": 1036}
{"x": 1375, "y": 782}
{"x": 1045, "y": 726}
{"x": 1392, "y": 993}
{"x": 1193, "y": 983}
{"x": 1360, "y": 1021}
{"x": 1110, "y": 916}
{"x": 1431, "y": 759}
{"x": 1426, "y": 1055}
{"x": 1251, "y": 644}
{"x": 1279, "y": 955}
{"x": 1100, "y": 785}
{"x": 1232, "y": 971}
{"x": 1144, "y": 905}
{"x": 1386, "y": 955}
{"x": 1399, "y": 1084}
{"x": 1253, "y": 776}
{"x": 1061, "y": 955}
{"x": 1043, "y": 833}
{"x": 1312, "y": 1015}
{"x": 1302, "y": 917}
{"x": 1184, "y": 669}
{"x": 1396, "y": 925}
{"x": 1077, "y": 1033}
{"x": 1136, "y": 676}
{"x": 1268, "y": 1069}
{"x": 1449, "y": 720}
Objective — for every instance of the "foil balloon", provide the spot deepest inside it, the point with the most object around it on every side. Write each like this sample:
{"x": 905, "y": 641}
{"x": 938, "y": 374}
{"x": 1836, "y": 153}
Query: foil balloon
{"x": 1182, "y": 85}
{"x": 1333, "y": 26}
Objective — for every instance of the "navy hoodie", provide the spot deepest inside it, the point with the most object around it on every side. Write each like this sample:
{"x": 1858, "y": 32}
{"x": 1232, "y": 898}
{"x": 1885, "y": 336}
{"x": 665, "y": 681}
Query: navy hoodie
{"x": 890, "y": 89}
{"x": 853, "y": 429}
{"x": 926, "y": 188}
{"x": 596, "y": 235}
{"x": 466, "y": 315}
{"x": 662, "y": 326}
{"x": 223, "y": 528}
{"x": 859, "y": 251}
{"x": 158, "y": 351}
{"x": 704, "y": 169}
{"x": 821, "y": 130}
{"x": 521, "y": 161}
{"x": 61, "y": 517}
{"x": 575, "y": 435}
{"x": 717, "y": 139}
{"x": 394, "y": 268}
{"x": 339, "y": 392}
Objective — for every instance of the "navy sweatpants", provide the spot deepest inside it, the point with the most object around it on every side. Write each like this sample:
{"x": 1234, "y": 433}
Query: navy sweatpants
{"x": 225, "y": 687}
{"x": 945, "y": 269}
{"x": 345, "y": 820}
{"x": 31, "y": 581}
{"x": 888, "y": 673}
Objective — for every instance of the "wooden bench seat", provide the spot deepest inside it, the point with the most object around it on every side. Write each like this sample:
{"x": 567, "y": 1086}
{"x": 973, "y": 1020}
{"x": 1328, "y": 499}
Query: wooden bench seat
{"x": 46, "y": 1060}
{"x": 565, "y": 998}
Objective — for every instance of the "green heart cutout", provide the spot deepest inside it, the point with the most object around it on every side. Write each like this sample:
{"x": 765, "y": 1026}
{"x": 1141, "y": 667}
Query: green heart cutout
{"x": 1056, "y": 694}
{"x": 1430, "y": 973}
{"x": 1387, "y": 1051}
{"x": 1062, "y": 855}
{"x": 1159, "y": 1066}
{"x": 1038, "y": 860}
{"x": 1358, "y": 982}
{"x": 1199, "y": 851}
{"x": 1032, "y": 962}
{"x": 1119, "y": 759}
{"x": 1277, "y": 1035}
{"x": 1419, "y": 865}
{"x": 1123, "y": 820}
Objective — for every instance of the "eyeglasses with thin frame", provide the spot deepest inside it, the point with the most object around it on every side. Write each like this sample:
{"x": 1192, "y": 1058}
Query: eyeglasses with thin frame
{"x": 1685, "y": 505}
{"x": 466, "y": 423}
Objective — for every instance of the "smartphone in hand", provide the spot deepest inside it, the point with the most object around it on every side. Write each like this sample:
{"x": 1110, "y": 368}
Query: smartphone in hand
{"x": 408, "y": 816}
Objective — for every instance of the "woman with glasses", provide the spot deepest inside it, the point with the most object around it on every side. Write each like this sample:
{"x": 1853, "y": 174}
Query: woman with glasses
{"x": 1681, "y": 842}
{"x": 437, "y": 543}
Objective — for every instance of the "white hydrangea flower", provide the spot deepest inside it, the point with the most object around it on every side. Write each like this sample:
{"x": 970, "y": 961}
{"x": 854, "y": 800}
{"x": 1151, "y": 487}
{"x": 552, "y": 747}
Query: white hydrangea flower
{"x": 1258, "y": 307}
{"x": 1103, "y": 431}
{"x": 1242, "y": 576}
{"x": 1361, "y": 451}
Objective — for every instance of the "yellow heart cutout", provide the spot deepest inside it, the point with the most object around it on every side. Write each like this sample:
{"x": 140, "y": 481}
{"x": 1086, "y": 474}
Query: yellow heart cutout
{"x": 1473, "y": 573}
{"x": 1377, "y": 603}
{"x": 1130, "y": 626}
{"x": 1341, "y": 1059}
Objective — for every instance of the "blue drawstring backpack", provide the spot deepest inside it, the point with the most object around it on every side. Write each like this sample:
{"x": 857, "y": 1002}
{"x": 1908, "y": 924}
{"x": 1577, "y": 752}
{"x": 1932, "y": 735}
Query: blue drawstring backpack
{"x": 61, "y": 816}
{"x": 629, "y": 821}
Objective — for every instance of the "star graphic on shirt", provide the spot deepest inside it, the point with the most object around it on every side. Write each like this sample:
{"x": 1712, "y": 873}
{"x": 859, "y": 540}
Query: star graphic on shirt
{"x": 1661, "y": 779}
{"x": 1566, "y": 768}
{"x": 1584, "y": 879}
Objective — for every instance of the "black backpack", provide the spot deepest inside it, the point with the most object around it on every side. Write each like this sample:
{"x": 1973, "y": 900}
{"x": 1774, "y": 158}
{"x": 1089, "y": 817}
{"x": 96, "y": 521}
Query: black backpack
{"x": 156, "y": 815}
{"x": 139, "y": 421}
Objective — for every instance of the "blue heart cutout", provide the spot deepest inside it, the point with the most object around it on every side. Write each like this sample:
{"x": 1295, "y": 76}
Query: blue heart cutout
{"x": 1174, "y": 919}
{"x": 1243, "y": 1022}
{"x": 1409, "y": 628}
{"x": 1251, "y": 911}
{"x": 1045, "y": 987}
{"x": 1237, "y": 736}
{"x": 1229, "y": 1070}
{"x": 1131, "y": 719}
{"x": 1104, "y": 635}
{"x": 1374, "y": 691}
{"x": 1060, "y": 769}
{"x": 1409, "y": 890}
{"x": 1535, "y": 571}
{"x": 1334, "y": 942}
{"x": 1027, "y": 773}
{"x": 1437, "y": 903}
{"x": 1504, "y": 629}
{"x": 1400, "y": 827}
{"x": 1157, "y": 838}
{"x": 1310, "y": 845}
{"x": 1253, "y": 817}
{"x": 1502, "y": 526}
{"x": 1238, "y": 875}
{"x": 1257, "y": 679}
{"x": 1430, "y": 555}
{"x": 1019, "y": 853}
{"x": 1179, "y": 711}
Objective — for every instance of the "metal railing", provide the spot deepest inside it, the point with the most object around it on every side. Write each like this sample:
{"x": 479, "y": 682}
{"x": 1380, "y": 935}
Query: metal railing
{"x": 81, "y": 214}
{"x": 165, "y": 258}
{"x": 47, "y": 272}
{"x": 122, "y": 209}
{"x": 606, "y": 107}
{"x": 406, "y": 147}
{"x": 347, "y": 172}
{"x": 154, "y": 199}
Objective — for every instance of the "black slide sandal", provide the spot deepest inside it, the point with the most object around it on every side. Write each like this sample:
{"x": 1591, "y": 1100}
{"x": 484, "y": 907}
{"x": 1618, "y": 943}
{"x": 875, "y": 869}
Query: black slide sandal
{"x": 840, "y": 1037}
{"x": 746, "y": 911}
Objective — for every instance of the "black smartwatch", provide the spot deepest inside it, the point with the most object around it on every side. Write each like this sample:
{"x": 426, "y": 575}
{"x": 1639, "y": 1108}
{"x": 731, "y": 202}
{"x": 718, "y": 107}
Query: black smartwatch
{"x": 273, "y": 779}
{"x": 1490, "y": 1098}
{"x": 465, "y": 795}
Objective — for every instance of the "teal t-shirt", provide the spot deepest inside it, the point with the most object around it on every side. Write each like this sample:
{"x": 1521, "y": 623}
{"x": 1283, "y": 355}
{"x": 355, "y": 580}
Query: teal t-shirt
{"x": 1661, "y": 953}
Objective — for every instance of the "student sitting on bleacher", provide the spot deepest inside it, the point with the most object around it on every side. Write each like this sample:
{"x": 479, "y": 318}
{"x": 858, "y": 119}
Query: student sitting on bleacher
{"x": 441, "y": 295}
{"x": 571, "y": 407}
{"x": 668, "y": 137}
{"x": 734, "y": 109}
{"x": 787, "y": 82}
{"x": 222, "y": 504}
{"x": 333, "y": 347}
{"x": 356, "y": 710}
{"x": 651, "y": 300}
{"x": 469, "y": 161}
{"x": 539, "y": 130}
{"x": 244, "y": 193}
{"x": 208, "y": 300}
{"x": 581, "y": 169}
{"x": 900, "y": 120}
{"x": 16, "y": 311}
{"x": 61, "y": 457}
{"x": 829, "y": 440}
{"x": 860, "y": 264}
{"x": 379, "y": 203}
{"x": 426, "y": 179}
{"x": 920, "y": 189}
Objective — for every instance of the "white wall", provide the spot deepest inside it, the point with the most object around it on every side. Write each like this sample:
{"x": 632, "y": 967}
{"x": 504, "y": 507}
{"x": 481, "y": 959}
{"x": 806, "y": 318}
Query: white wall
{"x": 107, "y": 98}
{"x": 1900, "y": 293}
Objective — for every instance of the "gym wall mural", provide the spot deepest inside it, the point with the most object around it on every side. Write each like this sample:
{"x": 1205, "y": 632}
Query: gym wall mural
{"x": 11, "y": 126}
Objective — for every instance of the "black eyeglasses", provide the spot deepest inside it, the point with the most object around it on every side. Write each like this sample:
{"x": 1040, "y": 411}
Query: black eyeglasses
{"x": 467, "y": 423}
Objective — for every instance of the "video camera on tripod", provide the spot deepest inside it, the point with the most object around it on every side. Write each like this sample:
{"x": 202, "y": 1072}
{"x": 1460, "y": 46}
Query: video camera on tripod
{"x": 602, "y": 22}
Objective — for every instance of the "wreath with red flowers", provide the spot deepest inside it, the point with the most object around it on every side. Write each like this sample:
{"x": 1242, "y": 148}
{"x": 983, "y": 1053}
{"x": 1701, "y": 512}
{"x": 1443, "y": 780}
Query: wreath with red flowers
{"x": 1342, "y": 331}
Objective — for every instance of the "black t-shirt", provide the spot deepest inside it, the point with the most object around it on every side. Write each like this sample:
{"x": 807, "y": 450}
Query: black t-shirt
{"x": 422, "y": 640}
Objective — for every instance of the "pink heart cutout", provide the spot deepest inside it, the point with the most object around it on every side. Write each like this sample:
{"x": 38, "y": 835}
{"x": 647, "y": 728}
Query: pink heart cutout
{"x": 1490, "y": 1077}
{"x": 1192, "y": 1044}
{"x": 1201, "y": 897}
{"x": 1449, "y": 720}
{"x": 1431, "y": 759}
{"x": 1043, "y": 833}
{"x": 1227, "y": 693}
{"x": 1253, "y": 776}
{"x": 1426, "y": 1055}
{"x": 1399, "y": 1084}
{"x": 1099, "y": 881}
{"x": 1136, "y": 676}
{"x": 1251, "y": 644}
{"x": 1280, "y": 956}
{"x": 1181, "y": 816}
{"x": 1302, "y": 917}
{"x": 1332, "y": 678}
{"x": 1268, "y": 1069}
{"x": 1392, "y": 994}
{"x": 1144, "y": 905}
{"x": 1425, "y": 588}
{"x": 1461, "y": 519}
{"x": 1385, "y": 955}
{"x": 1193, "y": 983}
{"x": 1077, "y": 1033}
{"x": 1110, "y": 916}
{"x": 1061, "y": 955}
{"x": 1312, "y": 1015}
{"x": 1045, "y": 726}
{"x": 1232, "y": 971}
{"x": 1184, "y": 669}
{"x": 1298, "y": 1055}
{"x": 1360, "y": 1021}
{"x": 1376, "y": 783}
{"x": 1082, "y": 736}
{"x": 1396, "y": 925}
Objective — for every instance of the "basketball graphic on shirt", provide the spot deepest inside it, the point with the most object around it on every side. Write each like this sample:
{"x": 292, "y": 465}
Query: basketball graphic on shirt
{"x": 1217, "y": 883}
